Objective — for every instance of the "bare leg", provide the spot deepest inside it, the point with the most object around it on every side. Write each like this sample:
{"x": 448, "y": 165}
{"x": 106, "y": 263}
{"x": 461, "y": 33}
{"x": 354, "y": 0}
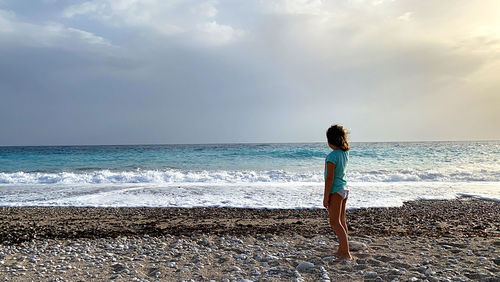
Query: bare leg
{"x": 335, "y": 209}
{"x": 342, "y": 216}
{"x": 343, "y": 222}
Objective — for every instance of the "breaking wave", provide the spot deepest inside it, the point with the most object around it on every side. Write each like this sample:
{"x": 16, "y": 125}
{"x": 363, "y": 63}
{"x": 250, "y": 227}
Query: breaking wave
{"x": 235, "y": 177}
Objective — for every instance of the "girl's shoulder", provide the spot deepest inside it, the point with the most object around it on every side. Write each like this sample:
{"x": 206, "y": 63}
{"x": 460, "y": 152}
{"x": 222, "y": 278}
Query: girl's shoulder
{"x": 332, "y": 156}
{"x": 332, "y": 153}
{"x": 338, "y": 153}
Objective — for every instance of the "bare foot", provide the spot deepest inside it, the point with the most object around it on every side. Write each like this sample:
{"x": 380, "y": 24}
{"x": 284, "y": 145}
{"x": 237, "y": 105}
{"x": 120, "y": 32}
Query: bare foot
{"x": 340, "y": 253}
{"x": 342, "y": 259}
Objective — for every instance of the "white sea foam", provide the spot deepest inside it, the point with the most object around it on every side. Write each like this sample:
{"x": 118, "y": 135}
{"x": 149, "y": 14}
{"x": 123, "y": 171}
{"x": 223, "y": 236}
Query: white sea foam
{"x": 157, "y": 177}
{"x": 250, "y": 195}
{"x": 233, "y": 177}
{"x": 244, "y": 189}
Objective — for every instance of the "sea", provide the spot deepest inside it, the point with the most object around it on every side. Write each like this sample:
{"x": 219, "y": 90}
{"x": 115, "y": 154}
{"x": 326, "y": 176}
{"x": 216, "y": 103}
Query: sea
{"x": 270, "y": 175}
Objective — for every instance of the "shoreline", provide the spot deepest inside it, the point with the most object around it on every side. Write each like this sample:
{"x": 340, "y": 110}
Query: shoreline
{"x": 461, "y": 217}
{"x": 444, "y": 240}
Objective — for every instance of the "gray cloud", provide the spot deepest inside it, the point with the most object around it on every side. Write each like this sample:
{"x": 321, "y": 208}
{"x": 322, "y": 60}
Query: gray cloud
{"x": 272, "y": 71}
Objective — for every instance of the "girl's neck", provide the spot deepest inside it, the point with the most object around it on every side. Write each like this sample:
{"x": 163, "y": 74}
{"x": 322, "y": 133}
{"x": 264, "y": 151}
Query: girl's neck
{"x": 333, "y": 147}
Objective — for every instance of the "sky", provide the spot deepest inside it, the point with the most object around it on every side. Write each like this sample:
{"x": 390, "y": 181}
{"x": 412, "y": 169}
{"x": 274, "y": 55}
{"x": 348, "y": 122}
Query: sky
{"x": 180, "y": 71}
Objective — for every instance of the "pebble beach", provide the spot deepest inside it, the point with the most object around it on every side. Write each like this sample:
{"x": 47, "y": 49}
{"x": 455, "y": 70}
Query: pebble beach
{"x": 445, "y": 240}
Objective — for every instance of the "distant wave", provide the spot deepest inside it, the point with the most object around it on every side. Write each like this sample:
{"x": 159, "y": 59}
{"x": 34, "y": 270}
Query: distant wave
{"x": 235, "y": 177}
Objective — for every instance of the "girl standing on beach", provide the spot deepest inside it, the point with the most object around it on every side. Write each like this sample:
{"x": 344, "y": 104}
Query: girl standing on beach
{"x": 336, "y": 193}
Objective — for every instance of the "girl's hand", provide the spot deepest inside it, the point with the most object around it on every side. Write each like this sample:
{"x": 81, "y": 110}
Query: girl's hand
{"x": 326, "y": 201}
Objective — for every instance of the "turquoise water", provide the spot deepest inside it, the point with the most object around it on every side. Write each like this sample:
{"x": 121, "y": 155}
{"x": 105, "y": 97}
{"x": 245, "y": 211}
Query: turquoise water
{"x": 159, "y": 174}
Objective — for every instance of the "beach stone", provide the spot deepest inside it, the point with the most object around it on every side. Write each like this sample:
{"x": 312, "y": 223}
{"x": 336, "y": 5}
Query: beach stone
{"x": 235, "y": 268}
{"x": 360, "y": 267}
{"x": 324, "y": 274}
{"x": 240, "y": 256}
{"x": 395, "y": 271}
{"x": 305, "y": 266}
{"x": 422, "y": 269}
{"x": 428, "y": 271}
{"x": 271, "y": 258}
{"x": 370, "y": 274}
{"x": 346, "y": 261}
{"x": 449, "y": 245}
{"x": 384, "y": 258}
{"x": 255, "y": 271}
{"x": 399, "y": 264}
{"x": 329, "y": 258}
{"x": 154, "y": 272}
{"x": 273, "y": 270}
{"x": 119, "y": 267}
{"x": 357, "y": 246}
{"x": 473, "y": 275}
{"x": 19, "y": 267}
{"x": 373, "y": 262}
{"x": 496, "y": 260}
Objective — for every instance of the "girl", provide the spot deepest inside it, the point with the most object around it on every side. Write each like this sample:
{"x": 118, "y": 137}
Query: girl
{"x": 335, "y": 192}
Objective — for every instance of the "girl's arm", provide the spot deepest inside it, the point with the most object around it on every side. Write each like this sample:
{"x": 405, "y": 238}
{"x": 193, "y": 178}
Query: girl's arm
{"x": 330, "y": 172}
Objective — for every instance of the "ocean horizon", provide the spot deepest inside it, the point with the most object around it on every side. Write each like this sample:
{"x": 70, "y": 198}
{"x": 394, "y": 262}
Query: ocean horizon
{"x": 245, "y": 143}
{"x": 246, "y": 175}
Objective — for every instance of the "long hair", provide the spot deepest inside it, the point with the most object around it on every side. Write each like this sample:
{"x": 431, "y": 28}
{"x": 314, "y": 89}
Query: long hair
{"x": 337, "y": 136}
